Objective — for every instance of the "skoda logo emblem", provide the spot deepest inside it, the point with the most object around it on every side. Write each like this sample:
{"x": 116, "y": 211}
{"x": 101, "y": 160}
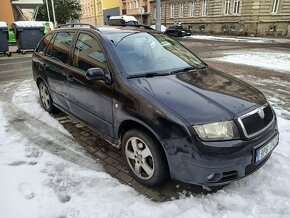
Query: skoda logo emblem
{"x": 261, "y": 113}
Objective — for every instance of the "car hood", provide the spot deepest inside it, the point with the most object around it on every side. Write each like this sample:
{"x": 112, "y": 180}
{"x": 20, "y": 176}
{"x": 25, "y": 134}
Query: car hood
{"x": 203, "y": 96}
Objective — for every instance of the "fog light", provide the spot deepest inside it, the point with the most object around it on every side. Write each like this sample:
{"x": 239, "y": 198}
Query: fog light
{"x": 210, "y": 176}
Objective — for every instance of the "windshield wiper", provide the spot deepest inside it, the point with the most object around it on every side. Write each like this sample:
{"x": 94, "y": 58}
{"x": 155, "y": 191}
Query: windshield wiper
{"x": 147, "y": 75}
{"x": 188, "y": 69}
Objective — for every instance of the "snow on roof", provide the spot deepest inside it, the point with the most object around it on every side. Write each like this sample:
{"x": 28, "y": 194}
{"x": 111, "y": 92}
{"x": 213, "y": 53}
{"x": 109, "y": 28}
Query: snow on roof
{"x": 125, "y": 18}
{"x": 3, "y": 24}
{"x": 28, "y": 24}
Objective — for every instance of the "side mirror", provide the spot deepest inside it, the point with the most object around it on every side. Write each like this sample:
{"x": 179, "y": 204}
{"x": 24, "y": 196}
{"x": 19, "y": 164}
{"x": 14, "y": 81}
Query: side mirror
{"x": 95, "y": 74}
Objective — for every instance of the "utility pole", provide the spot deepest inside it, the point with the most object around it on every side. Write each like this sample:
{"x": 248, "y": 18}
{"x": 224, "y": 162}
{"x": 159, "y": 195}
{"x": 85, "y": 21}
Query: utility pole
{"x": 47, "y": 8}
{"x": 53, "y": 12}
{"x": 95, "y": 12}
{"x": 158, "y": 15}
{"x": 165, "y": 18}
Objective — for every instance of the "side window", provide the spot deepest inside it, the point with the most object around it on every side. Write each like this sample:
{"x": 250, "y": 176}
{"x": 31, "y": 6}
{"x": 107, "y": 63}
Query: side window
{"x": 42, "y": 45}
{"x": 59, "y": 49}
{"x": 88, "y": 53}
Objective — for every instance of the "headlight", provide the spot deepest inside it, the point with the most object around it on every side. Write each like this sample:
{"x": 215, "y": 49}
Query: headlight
{"x": 217, "y": 131}
{"x": 183, "y": 31}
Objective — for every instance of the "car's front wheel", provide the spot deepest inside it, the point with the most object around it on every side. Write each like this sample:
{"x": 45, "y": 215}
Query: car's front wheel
{"x": 45, "y": 97}
{"x": 144, "y": 158}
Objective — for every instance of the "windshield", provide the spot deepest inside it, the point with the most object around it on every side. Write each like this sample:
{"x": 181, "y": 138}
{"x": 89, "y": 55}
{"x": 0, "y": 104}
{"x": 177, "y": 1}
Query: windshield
{"x": 141, "y": 53}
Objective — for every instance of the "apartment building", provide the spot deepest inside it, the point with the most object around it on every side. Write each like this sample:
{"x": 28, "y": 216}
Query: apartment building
{"x": 134, "y": 8}
{"x": 97, "y": 12}
{"x": 236, "y": 17}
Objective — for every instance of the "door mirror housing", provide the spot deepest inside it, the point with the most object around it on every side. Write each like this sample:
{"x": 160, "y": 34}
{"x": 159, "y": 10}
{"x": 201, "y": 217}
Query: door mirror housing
{"x": 95, "y": 74}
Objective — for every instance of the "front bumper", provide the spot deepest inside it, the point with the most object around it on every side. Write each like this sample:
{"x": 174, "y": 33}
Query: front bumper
{"x": 218, "y": 166}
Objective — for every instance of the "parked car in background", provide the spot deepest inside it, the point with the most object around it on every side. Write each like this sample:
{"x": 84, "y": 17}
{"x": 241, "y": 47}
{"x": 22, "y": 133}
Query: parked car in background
{"x": 177, "y": 31}
{"x": 142, "y": 91}
{"x": 163, "y": 28}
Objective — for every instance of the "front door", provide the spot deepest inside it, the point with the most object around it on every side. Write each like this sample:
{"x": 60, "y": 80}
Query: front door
{"x": 91, "y": 101}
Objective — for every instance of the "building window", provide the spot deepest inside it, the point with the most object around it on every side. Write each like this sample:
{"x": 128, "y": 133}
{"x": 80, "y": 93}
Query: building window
{"x": 137, "y": 4}
{"x": 227, "y": 6}
{"x": 237, "y": 6}
{"x": 181, "y": 7}
{"x": 130, "y": 5}
{"x": 204, "y": 8}
{"x": 172, "y": 11}
{"x": 192, "y": 8}
{"x": 275, "y": 6}
{"x": 155, "y": 13}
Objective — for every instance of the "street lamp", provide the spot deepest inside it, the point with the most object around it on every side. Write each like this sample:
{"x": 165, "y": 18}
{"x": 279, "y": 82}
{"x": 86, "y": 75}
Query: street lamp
{"x": 158, "y": 15}
{"x": 53, "y": 12}
{"x": 47, "y": 8}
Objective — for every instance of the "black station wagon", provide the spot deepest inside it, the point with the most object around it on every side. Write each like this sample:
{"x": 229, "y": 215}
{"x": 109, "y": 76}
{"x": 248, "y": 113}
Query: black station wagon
{"x": 145, "y": 93}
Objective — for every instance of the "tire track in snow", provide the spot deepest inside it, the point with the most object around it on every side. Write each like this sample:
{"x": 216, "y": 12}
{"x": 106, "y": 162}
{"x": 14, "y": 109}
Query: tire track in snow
{"x": 41, "y": 134}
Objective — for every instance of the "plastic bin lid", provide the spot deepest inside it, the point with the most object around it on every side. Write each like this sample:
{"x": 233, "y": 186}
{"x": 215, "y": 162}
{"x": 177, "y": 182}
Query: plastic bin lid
{"x": 3, "y": 24}
{"x": 28, "y": 24}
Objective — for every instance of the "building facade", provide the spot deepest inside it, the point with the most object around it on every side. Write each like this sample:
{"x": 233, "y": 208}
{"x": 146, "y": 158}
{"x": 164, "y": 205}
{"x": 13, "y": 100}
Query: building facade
{"x": 6, "y": 12}
{"x": 16, "y": 10}
{"x": 133, "y": 8}
{"x": 97, "y": 12}
{"x": 236, "y": 17}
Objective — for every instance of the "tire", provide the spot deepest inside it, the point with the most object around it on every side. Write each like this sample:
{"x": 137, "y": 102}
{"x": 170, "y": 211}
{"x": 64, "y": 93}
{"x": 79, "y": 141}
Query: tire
{"x": 45, "y": 98}
{"x": 144, "y": 158}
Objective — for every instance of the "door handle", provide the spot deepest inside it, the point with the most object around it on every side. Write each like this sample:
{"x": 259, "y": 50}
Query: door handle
{"x": 70, "y": 78}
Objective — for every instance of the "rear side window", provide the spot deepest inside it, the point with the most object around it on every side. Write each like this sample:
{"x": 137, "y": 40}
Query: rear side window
{"x": 59, "y": 49}
{"x": 88, "y": 53}
{"x": 42, "y": 45}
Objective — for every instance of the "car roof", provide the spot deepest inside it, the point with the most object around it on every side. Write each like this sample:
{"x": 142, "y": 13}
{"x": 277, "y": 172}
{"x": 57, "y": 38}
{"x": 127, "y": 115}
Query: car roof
{"x": 110, "y": 29}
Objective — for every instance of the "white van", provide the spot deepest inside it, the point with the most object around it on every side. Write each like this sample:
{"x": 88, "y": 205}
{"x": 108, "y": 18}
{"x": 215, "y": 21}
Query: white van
{"x": 122, "y": 20}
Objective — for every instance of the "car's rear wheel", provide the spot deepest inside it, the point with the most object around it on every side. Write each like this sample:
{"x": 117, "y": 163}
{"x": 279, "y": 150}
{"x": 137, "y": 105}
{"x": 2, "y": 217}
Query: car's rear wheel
{"x": 45, "y": 98}
{"x": 144, "y": 158}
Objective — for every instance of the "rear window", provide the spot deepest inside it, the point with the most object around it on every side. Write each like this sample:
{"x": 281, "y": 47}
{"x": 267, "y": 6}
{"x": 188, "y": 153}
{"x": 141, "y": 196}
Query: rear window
{"x": 59, "y": 50}
{"x": 42, "y": 45}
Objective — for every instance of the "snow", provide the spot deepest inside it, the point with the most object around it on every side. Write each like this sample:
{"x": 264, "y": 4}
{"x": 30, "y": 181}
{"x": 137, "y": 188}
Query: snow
{"x": 276, "y": 61}
{"x": 28, "y": 23}
{"x": 45, "y": 173}
{"x": 3, "y": 24}
{"x": 240, "y": 39}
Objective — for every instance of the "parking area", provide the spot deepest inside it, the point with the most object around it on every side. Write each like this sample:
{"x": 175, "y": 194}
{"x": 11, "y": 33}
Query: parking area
{"x": 274, "y": 83}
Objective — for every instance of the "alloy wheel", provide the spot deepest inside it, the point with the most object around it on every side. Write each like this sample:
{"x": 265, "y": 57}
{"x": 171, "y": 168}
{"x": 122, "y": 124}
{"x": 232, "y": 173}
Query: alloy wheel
{"x": 139, "y": 158}
{"x": 44, "y": 97}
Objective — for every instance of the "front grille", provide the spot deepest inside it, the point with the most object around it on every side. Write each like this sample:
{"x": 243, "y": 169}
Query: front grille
{"x": 254, "y": 123}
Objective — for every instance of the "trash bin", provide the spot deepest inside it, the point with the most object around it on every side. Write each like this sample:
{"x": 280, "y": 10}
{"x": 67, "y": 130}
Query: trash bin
{"x": 27, "y": 34}
{"x": 4, "y": 49}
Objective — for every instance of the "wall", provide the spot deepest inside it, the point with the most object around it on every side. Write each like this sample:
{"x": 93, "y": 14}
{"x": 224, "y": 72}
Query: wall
{"x": 110, "y": 12}
{"x": 255, "y": 17}
{"x": 6, "y": 13}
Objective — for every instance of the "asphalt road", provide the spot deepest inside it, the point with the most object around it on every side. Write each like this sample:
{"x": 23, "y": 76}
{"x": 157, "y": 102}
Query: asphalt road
{"x": 15, "y": 68}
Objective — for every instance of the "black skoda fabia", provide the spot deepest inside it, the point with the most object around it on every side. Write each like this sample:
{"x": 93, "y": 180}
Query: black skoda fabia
{"x": 145, "y": 93}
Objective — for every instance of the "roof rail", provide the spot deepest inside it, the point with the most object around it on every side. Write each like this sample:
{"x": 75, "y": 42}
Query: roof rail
{"x": 82, "y": 25}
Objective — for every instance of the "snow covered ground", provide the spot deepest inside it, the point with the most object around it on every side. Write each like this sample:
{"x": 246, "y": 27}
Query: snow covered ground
{"x": 45, "y": 173}
{"x": 276, "y": 61}
{"x": 240, "y": 39}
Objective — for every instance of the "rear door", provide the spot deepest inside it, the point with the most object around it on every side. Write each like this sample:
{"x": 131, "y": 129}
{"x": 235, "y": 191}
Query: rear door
{"x": 56, "y": 61}
{"x": 91, "y": 101}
